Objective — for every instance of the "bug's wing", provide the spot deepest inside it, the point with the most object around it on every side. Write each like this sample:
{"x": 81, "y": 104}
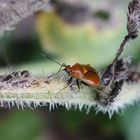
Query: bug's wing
{"x": 91, "y": 78}
{"x": 86, "y": 68}
{"x": 89, "y": 68}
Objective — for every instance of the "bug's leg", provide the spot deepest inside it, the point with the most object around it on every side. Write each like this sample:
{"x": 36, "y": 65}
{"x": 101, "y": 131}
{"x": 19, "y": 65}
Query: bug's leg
{"x": 59, "y": 69}
{"x": 61, "y": 90}
{"x": 75, "y": 82}
{"x": 78, "y": 84}
{"x": 69, "y": 81}
{"x": 54, "y": 74}
{"x": 84, "y": 83}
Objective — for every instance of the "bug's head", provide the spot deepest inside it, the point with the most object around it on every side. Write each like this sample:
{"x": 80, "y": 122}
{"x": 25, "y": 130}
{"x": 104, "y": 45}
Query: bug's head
{"x": 68, "y": 69}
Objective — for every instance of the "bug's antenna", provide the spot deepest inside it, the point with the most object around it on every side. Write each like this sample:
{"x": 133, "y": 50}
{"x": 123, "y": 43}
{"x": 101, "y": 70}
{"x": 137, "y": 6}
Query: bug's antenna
{"x": 62, "y": 65}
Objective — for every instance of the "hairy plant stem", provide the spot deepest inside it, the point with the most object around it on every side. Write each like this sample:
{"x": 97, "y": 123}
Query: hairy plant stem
{"x": 22, "y": 89}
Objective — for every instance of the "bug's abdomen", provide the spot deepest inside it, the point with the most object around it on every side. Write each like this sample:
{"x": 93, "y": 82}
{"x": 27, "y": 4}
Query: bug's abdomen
{"x": 91, "y": 78}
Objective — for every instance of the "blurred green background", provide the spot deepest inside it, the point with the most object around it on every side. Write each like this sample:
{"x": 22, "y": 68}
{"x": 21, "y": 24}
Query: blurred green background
{"x": 69, "y": 32}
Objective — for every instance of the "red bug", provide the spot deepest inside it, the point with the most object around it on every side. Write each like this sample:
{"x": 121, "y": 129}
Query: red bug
{"x": 82, "y": 73}
{"x": 85, "y": 73}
